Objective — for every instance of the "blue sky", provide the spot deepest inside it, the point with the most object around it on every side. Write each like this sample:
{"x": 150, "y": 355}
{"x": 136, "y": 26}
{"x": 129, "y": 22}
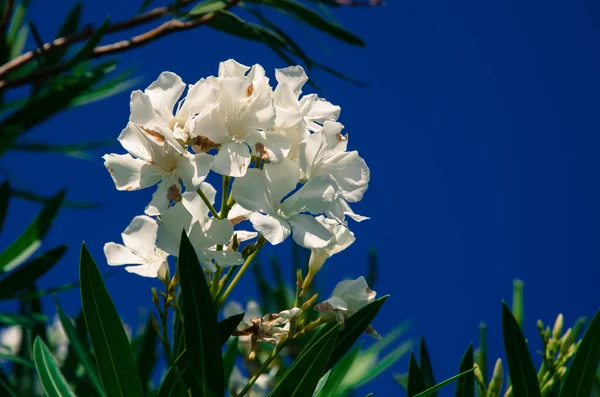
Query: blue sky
{"x": 480, "y": 126}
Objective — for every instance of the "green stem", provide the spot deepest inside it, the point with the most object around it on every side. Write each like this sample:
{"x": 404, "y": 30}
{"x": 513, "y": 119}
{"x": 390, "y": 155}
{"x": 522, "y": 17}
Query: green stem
{"x": 259, "y": 243}
{"x": 224, "y": 193}
{"x": 223, "y": 283}
{"x": 263, "y": 367}
{"x": 208, "y": 204}
{"x": 164, "y": 315}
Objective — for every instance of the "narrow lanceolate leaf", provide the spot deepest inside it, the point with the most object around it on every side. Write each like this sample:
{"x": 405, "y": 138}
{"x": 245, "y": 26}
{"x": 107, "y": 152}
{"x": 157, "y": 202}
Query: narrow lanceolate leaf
{"x": 228, "y": 325}
{"x": 29, "y": 272}
{"x": 4, "y": 194}
{"x": 51, "y": 379}
{"x": 68, "y": 27}
{"x": 301, "y": 378}
{"x": 229, "y": 359}
{"x": 465, "y": 386}
{"x": 426, "y": 368}
{"x": 146, "y": 355}
{"x": 416, "y": 384}
{"x": 80, "y": 349}
{"x": 580, "y": 376}
{"x": 16, "y": 359}
{"x": 30, "y": 240}
{"x": 385, "y": 363}
{"x": 353, "y": 329}
{"x": 314, "y": 19}
{"x": 26, "y": 321}
{"x": 337, "y": 374}
{"x": 200, "y": 326}
{"x": 84, "y": 53}
{"x": 523, "y": 375}
{"x": 170, "y": 386}
{"x": 206, "y": 6}
{"x": 517, "y": 308}
{"x": 433, "y": 390}
{"x": 116, "y": 364}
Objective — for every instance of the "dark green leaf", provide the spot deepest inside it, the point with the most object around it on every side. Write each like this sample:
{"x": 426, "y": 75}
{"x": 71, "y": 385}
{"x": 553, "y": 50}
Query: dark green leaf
{"x": 16, "y": 359}
{"x": 340, "y": 75}
{"x": 523, "y": 375}
{"x": 116, "y": 364}
{"x": 337, "y": 374}
{"x": 178, "y": 335}
{"x": 481, "y": 352}
{"x": 402, "y": 380}
{"x": 38, "y": 41}
{"x": 201, "y": 330}
{"x": 6, "y": 389}
{"x": 426, "y": 368}
{"x": 301, "y": 378}
{"x": 144, "y": 5}
{"x": 4, "y": 194}
{"x": 229, "y": 359}
{"x": 206, "y": 6}
{"x": 353, "y": 329}
{"x": 80, "y": 349}
{"x": 31, "y": 196}
{"x": 84, "y": 53}
{"x": 29, "y": 272}
{"x": 517, "y": 304}
{"x": 26, "y": 321}
{"x": 465, "y": 386}
{"x": 314, "y": 19}
{"x": 580, "y": 376}
{"x": 51, "y": 379}
{"x": 29, "y": 241}
{"x": 386, "y": 362}
{"x": 369, "y": 395}
{"x": 228, "y": 325}
{"x": 69, "y": 27}
{"x": 416, "y": 384}
{"x": 432, "y": 390}
{"x": 146, "y": 354}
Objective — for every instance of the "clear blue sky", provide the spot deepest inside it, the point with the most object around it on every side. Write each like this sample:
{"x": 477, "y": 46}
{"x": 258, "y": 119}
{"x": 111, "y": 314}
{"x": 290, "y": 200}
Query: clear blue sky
{"x": 480, "y": 127}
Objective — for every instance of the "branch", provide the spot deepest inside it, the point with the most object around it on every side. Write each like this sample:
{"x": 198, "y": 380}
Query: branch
{"x": 85, "y": 34}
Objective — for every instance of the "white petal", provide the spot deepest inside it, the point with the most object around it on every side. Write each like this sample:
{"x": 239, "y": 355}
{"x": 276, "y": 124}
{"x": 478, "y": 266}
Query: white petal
{"x": 293, "y": 76}
{"x": 134, "y": 141}
{"x": 274, "y": 229}
{"x": 317, "y": 259}
{"x": 232, "y": 308}
{"x": 193, "y": 168}
{"x": 201, "y": 98}
{"x": 282, "y": 178}
{"x": 356, "y": 293}
{"x": 172, "y": 223}
{"x": 219, "y": 231}
{"x": 148, "y": 270}
{"x": 231, "y": 68}
{"x": 164, "y": 93}
{"x": 244, "y": 235}
{"x": 321, "y": 110}
{"x": 117, "y": 254}
{"x": 250, "y": 191}
{"x": 308, "y": 232}
{"x": 226, "y": 258}
{"x": 351, "y": 174}
{"x": 160, "y": 198}
{"x": 212, "y": 126}
{"x": 237, "y": 213}
{"x": 195, "y": 206}
{"x": 142, "y": 111}
{"x": 140, "y": 236}
{"x": 233, "y": 159}
{"x": 315, "y": 196}
{"x": 129, "y": 173}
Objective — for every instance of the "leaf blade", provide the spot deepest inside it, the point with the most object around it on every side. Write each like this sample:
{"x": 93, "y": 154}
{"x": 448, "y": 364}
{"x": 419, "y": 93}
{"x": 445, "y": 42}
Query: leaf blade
{"x": 432, "y": 390}
{"x": 51, "y": 379}
{"x": 465, "y": 387}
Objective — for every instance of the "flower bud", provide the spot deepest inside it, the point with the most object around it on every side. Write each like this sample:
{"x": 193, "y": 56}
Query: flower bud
{"x": 235, "y": 244}
{"x": 309, "y": 303}
{"x": 565, "y": 341}
{"x": 479, "y": 376}
{"x": 496, "y": 381}
{"x": 558, "y": 326}
{"x": 155, "y": 298}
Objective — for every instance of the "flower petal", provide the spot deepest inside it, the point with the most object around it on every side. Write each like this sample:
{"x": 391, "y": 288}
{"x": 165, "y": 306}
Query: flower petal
{"x": 226, "y": 258}
{"x": 117, "y": 254}
{"x": 129, "y": 173}
{"x": 201, "y": 97}
{"x": 164, "y": 93}
{"x": 140, "y": 236}
{"x": 293, "y": 76}
{"x": 193, "y": 168}
{"x": 142, "y": 111}
{"x": 356, "y": 293}
{"x": 315, "y": 196}
{"x": 172, "y": 222}
{"x": 282, "y": 178}
{"x": 274, "y": 229}
{"x": 231, "y": 68}
{"x": 134, "y": 141}
{"x": 233, "y": 159}
{"x": 250, "y": 191}
{"x": 218, "y": 231}
{"x": 148, "y": 270}
{"x": 308, "y": 232}
{"x": 160, "y": 198}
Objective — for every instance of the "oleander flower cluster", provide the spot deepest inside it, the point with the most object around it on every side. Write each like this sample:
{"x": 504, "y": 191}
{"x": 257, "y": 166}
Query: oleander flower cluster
{"x": 282, "y": 156}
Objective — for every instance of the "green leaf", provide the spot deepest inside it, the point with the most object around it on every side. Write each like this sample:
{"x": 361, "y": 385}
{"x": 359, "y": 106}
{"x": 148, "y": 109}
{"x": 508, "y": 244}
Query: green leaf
{"x": 337, "y": 374}
{"x": 416, "y": 384}
{"x": 517, "y": 304}
{"x": 580, "y": 376}
{"x": 144, "y": 5}
{"x": 69, "y": 27}
{"x": 314, "y": 19}
{"x": 523, "y": 375}
{"x": 28, "y": 242}
{"x": 26, "y": 321}
{"x": 80, "y": 349}
{"x": 29, "y": 272}
{"x": 85, "y": 52}
{"x": 481, "y": 352}
{"x": 16, "y": 359}
{"x": 229, "y": 359}
{"x": 432, "y": 390}
{"x": 301, "y": 378}
{"x": 402, "y": 380}
{"x": 206, "y": 6}
{"x": 34, "y": 197}
{"x": 369, "y": 395}
{"x": 465, "y": 387}
{"x": 426, "y": 368}
{"x": 228, "y": 325}
{"x": 6, "y": 389}
{"x": 353, "y": 329}
{"x": 51, "y": 379}
{"x": 201, "y": 328}
{"x": 386, "y": 362}
{"x": 116, "y": 364}
{"x": 146, "y": 354}
{"x": 4, "y": 195}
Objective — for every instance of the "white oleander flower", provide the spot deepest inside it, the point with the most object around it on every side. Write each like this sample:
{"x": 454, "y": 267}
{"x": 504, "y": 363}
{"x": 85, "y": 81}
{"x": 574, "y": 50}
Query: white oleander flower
{"x": 296, "y": 117}
{"x": 58, "y": 339}
{"x": 10, "y": 339}
{"x": 324, "y": 152}
{"x": 342, "y": 238}
{"x": 204, "y": 232}
{"x": 348, "y": 297}
{"x": 139, "y": 249}
{"x": 243, "y": 107}
{"x": 262, "y": 191}
{"x": 262, "y": 386}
